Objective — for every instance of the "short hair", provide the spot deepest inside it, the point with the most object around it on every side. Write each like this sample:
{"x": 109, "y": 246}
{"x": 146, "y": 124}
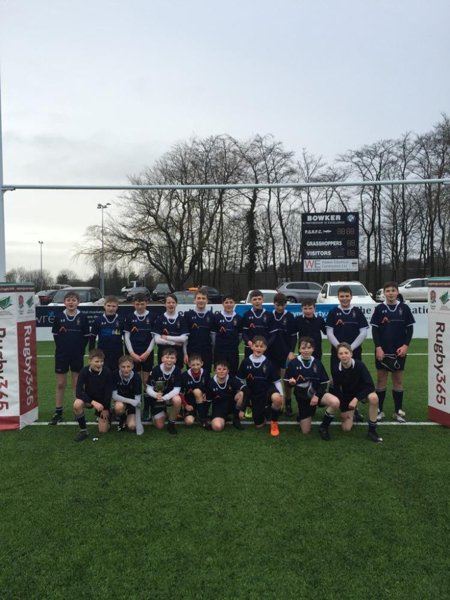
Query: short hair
{"x": 222, "y": 362}
{"x": 194, "y": 356}
{"x": 125, "y": 358}
{"x": 170, "y": 295}
{"x": 345, "y": 289}
{"x": 306, "y": 340}
{"x": 140, "y": 298}
{"x": 259, "y": 338}
{"x": 111, "y": 299}
{"x": 393, "y": 284}
{"x": 167, "y": 351}
{"x": 96, "y": 353}
{"x": 308, "y": 302}
{"x": 344, "y": 345}
{"x": 228, "y": 297}
{"x": 202, "y": 291}
{"x": 71, "y": 294}
{"x": 255, "y": 293}
{"x": 279, "y": 298}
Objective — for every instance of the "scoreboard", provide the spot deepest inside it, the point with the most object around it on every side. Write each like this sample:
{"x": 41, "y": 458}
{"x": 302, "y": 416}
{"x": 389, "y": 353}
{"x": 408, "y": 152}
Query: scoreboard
{"x": 330, "y": 241}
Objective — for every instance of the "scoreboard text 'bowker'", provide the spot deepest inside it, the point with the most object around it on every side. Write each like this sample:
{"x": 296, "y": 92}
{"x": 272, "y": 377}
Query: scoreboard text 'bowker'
{"x": 330, "y": 241}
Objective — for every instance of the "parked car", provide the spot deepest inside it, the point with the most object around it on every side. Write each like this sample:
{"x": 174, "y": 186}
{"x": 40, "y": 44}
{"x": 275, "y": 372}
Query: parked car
{"x": 89, "y": 296}
{"x": 44, "y": 297}
{"x": 328, "y": 293}
{"x": 160, "y": 292}
{"x": 214, "y": 296}
{"x": 267, "y": 296}
{"x": 132, "y": 292}
{"x": 185, "y": 296}
{"x": 414, "y": 290}
{"x": 297, "y": 291}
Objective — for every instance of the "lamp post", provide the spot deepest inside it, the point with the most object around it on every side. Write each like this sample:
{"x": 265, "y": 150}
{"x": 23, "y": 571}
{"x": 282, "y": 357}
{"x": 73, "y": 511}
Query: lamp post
{"x": 102, "y": 273}
{"x": 41, "y": 243}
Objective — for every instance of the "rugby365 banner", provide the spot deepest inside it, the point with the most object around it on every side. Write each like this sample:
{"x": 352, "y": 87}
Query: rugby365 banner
{"x": 439, "y": 350}
{"x": 18, "y": 384}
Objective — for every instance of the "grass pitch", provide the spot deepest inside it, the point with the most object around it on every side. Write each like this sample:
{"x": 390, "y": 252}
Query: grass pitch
{"x": 229, "y": 515}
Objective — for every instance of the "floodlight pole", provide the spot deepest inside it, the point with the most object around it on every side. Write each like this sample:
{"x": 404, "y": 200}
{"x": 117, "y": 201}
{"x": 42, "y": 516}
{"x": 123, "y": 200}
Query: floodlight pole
{"x": 102, "y": 274}
{"x": 2, "y": 204}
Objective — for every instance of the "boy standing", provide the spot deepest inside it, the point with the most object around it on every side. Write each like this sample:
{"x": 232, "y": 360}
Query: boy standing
{"x": 164, "y": 386}
{"x": 139, "y": 342}
{"x": 109, "y": 330}
{"x": 309, "y": 378}
{"x": 311, "y": 325}
{"x": 392, "y": 329}
{"x": 263, "y": 384}
{"x": 94, "y": 390}
{"x": 282, "y": 341}
{"x": 200, "y": 322}
{"x": 227, "y": 334}
{"x": 71, "y": 333}
{"x": 255, "y": 321}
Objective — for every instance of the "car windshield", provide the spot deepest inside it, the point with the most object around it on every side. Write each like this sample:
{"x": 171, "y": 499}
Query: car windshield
{"x": 185, "y": 297}
{"x": 357, "y": 289}
{"x": 83, "y": 294}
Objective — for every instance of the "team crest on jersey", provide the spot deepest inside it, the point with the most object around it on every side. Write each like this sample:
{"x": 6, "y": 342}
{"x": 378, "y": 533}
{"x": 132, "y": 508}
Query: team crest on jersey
{"x": 339, "y": 322}
{"x": 385, "y": 320}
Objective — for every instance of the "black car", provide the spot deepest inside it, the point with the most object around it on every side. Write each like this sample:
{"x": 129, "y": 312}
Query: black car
{"x": 133, "y": 292}
{"x": 160, "y": 292}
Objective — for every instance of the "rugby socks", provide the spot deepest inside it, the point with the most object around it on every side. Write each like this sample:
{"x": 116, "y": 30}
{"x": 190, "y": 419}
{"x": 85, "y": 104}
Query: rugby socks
{"x": 275, "y": 415}
{"x": 59, "y": 411}
{"x": 146, "y": 405}
{"x": 81, "y": 422}
{"x": 397, "y": 395}
{"x": 381, "y": 396}
{"x": 327, "y": 419}
{"x": 373, "y": 426}
{"x": 202, "y": 409}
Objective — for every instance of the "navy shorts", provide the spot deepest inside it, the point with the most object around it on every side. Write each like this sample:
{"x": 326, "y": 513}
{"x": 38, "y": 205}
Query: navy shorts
{"x": 222, "y": 408}
{"x": 305, "y": 410}
{"x": 261, "y": 405}
{"x": 146, "y": 366}
{"x": 65, "y": 363}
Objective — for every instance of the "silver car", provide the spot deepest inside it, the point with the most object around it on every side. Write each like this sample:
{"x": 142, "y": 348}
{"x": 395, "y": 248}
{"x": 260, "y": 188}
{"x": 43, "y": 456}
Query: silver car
{"x": 297, "y": 291}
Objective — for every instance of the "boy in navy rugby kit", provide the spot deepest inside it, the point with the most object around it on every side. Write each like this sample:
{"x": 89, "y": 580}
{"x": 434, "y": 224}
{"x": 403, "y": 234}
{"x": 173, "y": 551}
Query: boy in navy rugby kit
{"x": 139, "y": 342}
{"x": 194, "y": 383}
{"x": 200, "y": 324}
{"x": 227, "y": 397}
{"x": 170, "y": 329}
{"x": 127, "y": 392}
{"x": 164, "y": 387}
{"x": 94, "y": 390}
{"x": 255, "y": 321}
{"x": 227, "y": 334}
{"x": 352, "y": 383}
{"x": 308, "y": 377}
{"x": 282, "y": 341}
{"x": 108, "y": 328}
{"x": 311, "y": 325}
{"x": 346, "y": 323}
{"x": 263, "y": 386}
{"x": 392, "y": 329}
{"x": 71, "y": 334}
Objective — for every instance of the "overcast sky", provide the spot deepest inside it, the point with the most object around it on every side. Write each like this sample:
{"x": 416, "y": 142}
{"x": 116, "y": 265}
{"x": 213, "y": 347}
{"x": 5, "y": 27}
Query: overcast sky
{"x": 95, "y": 90}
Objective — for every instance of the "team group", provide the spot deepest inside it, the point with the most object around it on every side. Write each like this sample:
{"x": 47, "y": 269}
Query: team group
{"x": 259, "y": 387}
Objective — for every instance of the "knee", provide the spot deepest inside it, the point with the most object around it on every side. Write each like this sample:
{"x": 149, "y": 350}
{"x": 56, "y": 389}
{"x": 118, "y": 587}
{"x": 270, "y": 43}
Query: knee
{"x": 217, "y": 425}
{"x": 131, "y": 426}
{"x": 78, "y": 406}
{"x": 373, "y": 399}
{"x": 119, "y": 408}
{"x": 176, "y": 402}
{"x": 189, "y": 420}
{"x": 277, "y": 401}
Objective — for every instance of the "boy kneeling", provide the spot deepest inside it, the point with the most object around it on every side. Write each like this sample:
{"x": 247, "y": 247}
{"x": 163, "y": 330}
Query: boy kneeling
{"x": 163, "y": 387}
{"x": 94, "y": 390}
{"x": 353, "y": 383}
{"x": 227, "y": 397}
